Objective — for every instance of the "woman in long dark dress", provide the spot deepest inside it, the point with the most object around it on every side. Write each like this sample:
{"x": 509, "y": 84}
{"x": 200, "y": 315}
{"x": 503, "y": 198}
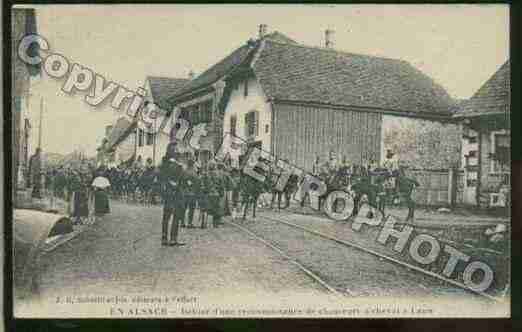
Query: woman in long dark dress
{"x": 101, "y": 197}
{"x": 79, "y": 187}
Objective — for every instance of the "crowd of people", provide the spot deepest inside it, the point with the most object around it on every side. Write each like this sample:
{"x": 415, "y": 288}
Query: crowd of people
{"x": 183, "y": 186}
{"x": 74, "y": 185}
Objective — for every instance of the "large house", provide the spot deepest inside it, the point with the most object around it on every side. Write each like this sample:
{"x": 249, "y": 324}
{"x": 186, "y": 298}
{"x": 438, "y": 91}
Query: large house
{"x": 199, "y": 100}
{"x": 485, "y": 118}
{"x": 300, "y": 102}
{"x": 120, "y": 145}
{"x": 149, "y": 144}
{"x": 131, "y": 140}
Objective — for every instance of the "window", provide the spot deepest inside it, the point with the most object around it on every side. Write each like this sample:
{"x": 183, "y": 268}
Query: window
{"x": 184, "y": 114}
{"x": 150, "y": 139}
{"x": 245, "y": 91}
{"x": 251, "y": 124}
{"x": 233, "y": 121}
{"x": 205, "y": 110}
{"x": 267, "y": 128}
{"x": 140, "y": 137}
{"x": 195, "y": 116}
{"x": 500, "y": 151}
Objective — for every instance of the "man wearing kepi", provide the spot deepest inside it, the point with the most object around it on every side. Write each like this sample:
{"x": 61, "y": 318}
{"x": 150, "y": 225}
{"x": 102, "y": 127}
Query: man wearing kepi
{"x": 172, "y": 178}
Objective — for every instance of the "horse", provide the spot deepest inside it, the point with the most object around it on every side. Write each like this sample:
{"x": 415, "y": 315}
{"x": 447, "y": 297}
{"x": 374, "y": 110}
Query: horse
{"x": 251, "y": 189}
{"x": 334, "y": 180}
{"x": 379, "y": 192}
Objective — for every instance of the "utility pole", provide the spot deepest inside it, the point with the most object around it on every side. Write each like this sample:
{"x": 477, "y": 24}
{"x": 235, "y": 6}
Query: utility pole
{"x": 40, "y": 125}
{"x": 41, "y": 178}
{"x": 154, "y": 137}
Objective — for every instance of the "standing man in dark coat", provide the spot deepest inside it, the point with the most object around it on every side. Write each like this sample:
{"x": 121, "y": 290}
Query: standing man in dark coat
{"x": 172, "y": 178}
{"x": 35, "y": 169}
{"x": 216, "y": 196}
{"x": 192, "y": 188}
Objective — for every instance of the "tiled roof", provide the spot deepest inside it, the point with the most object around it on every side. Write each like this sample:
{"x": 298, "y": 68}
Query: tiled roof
{"x": 279, "y": 37}
{"x": 229, "y": 63}
{"x": 164, "y": 87}
{"x": 119, "y": 132}
{"x": 491, "y": 98}
{"x": 294, "y": 72}
{"x": 216, "y": 72}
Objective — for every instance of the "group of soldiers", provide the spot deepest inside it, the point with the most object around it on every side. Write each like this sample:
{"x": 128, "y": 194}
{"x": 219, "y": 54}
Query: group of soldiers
{"x": 187, "y": 187}
{"x": 218, "y": 190}
{"x": 184, "y": 187}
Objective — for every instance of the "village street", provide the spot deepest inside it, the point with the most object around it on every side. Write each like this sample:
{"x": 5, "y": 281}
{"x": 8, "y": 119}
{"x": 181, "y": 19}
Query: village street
{"x": 121, "y": 254}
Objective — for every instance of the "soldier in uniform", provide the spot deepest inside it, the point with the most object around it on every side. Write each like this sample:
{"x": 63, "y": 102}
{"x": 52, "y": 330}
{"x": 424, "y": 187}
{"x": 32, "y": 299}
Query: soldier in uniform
{"x": 216, "y": 191}
{"x": 202, "y": 196}
{"x": 172, "y": 176}
{"x": 235, "y": 178}
{"x": 391, "y": 165}
{"x": 192, "y": 187}
{"x": 391, "y": 162}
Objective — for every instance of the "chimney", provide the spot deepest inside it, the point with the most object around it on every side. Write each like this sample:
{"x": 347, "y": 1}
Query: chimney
{"x": 191, "y": 74}
{"x": 262, "y": 30}
{"x": 329, "y": 38}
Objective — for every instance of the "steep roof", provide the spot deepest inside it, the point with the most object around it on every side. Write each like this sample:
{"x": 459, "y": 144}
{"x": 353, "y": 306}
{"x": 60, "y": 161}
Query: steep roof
{"x": 164, "y": 87}
{"x": 119, "y": 132}
{"x": 216, "y": 72}
{"x": 279, "y": 37}
{"x": 229, "y": 63}
{"x": 294, "y": 72}
{"x": 491, "y": 98}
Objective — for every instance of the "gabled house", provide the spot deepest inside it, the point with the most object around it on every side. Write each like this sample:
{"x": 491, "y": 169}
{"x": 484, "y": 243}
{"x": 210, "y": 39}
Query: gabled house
{"x": 485, "y": 120}
{"x": 300, "y": 102}
{"x": 153, "y": 144}
{"x": 199, "y": 100}
{"x": 120, "y": 145}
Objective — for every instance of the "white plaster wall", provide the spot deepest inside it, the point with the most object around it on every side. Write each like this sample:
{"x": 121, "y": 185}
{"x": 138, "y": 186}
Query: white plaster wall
{"x": 125, "y": 149}
{"x": 162, "y": 138}
{"x": 239, "y": 105}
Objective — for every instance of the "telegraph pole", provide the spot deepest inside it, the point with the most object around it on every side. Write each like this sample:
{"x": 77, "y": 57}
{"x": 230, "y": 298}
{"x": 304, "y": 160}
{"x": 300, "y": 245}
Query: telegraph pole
{"x": 40, "y": 125}
{"x": 41, "y": 177}
{"x": 154, "y": 137}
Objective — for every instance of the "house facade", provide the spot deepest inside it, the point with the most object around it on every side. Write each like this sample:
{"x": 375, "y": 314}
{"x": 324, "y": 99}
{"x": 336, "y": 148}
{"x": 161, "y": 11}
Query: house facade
{"x": 300, "y": 102}
{"x": 486, "y": 131}
{"x": 120, "y": 146}
{"x": 201, "y": 102}
{"x": 153, "y": 144}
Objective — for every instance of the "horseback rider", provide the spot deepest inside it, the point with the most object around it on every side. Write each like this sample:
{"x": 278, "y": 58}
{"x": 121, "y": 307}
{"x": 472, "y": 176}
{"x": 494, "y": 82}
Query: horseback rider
{"x": 391, "y": 165}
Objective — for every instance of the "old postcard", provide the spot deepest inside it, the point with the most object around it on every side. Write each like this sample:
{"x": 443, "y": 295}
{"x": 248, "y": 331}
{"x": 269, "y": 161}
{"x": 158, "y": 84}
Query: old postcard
{"x": 203, "y": 161}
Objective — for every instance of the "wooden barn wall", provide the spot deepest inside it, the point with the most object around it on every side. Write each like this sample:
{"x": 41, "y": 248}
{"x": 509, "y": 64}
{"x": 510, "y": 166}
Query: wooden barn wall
{"x": 301, "y": 133}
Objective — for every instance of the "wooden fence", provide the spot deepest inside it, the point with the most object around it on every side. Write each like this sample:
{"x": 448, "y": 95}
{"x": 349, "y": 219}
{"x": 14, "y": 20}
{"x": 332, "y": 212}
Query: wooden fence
{"x": 438, "y": 187}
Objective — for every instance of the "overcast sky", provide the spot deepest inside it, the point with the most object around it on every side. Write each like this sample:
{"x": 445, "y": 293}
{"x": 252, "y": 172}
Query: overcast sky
{"x": 459, "y": 46}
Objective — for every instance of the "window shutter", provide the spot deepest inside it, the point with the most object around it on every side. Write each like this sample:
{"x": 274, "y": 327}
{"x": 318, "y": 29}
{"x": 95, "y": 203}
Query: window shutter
{"x": 256, "y": 123}
{"x": 247, "y": 124}
{"x": 233, "y": 121}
